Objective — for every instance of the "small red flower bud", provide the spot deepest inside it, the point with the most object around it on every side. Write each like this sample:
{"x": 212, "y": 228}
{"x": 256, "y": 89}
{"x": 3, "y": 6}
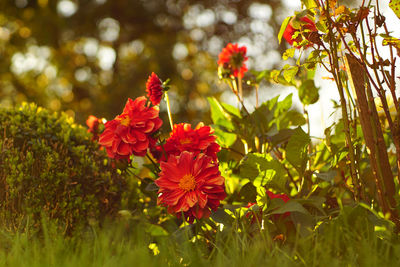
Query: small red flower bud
{"x": 154, "y": 89}
{"x": 93, "y": 123}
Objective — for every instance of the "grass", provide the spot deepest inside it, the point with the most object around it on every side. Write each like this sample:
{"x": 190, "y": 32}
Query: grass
{"x": 126, "y": 244}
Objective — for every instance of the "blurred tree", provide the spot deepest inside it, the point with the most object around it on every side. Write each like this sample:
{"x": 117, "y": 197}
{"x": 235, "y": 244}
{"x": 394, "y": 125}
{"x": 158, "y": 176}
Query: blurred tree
{"x": 87, "y": 56}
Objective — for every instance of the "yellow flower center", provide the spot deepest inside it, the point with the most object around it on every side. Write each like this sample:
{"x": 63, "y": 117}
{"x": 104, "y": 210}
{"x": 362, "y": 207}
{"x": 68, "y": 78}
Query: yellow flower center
{"x": 187, "y": 183}
{"x": 185, "y": 141}
{"x": 125, "y": 121}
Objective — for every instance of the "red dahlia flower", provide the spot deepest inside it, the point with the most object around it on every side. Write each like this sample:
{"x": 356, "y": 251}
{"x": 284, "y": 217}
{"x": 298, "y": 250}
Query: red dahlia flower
{"x": 130, "y": 132}
{"x": 154, "y": 89}
{"x": 190, "y": 184}
{"x": 290, "y": 31}
{"x": 184, "y": 138}
{"x": 233, "y": 58}
{"x": 93, "y": 123}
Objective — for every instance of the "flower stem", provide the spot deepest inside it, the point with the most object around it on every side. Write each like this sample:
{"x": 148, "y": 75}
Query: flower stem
{"x": 153, "y": 162}
{"x": 169, "y": 111}
{"x": 240, "y": 87}
{"x": 257, "y": 95}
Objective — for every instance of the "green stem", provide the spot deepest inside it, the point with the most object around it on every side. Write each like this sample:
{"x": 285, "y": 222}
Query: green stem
{"x": 153, "y": 162}
{"x": 338, "y": 81}
{"x": 257, "y": 96}
{"x": 308, "y": 132}
{"x": 171, "y": 123}
{"x": 240, "y": 87}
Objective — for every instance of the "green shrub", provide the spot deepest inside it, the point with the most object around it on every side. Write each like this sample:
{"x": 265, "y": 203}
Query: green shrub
{"x": 50, "y": 167}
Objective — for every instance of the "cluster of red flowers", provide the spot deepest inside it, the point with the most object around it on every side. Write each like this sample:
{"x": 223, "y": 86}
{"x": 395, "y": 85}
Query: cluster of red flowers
{"x": 190, "y": 183}
{"x": 290, "y": 31}
{"x": 232, "y": 59}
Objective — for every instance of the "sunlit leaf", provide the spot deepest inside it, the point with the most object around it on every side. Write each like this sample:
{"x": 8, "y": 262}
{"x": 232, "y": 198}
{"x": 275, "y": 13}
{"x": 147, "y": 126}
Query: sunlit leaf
{"x": 283, "y": 28}
{"x": 224, "y": 139}
{"x": 389, "y": 40}
{"x": 263, "y": 170}
{"x": 309, "y": 3}
{"x": 395, "y": 6}
{"x": 219, "y": 115}
{"x": 290, "y": 72}
{"x": 289, "y": 53}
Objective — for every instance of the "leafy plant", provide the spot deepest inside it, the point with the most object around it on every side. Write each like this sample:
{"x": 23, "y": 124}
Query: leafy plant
{"x": 49, "y": 167}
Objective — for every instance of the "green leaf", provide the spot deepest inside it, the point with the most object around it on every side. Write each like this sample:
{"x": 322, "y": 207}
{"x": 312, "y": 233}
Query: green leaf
{"x": 308, "y": 92}
{"x": 305, "y": 223}
{"x": 326, "y": 176}
{"x": 231, "y": 109}
{"x": 263, "y": 170}
{"x": 219, "y": 115}
{"x": 221, "y": 216}
{"x": 289, "y": 73}
{"x": 248, "y": 193}
{"x": 249, "y": 169}
{"x": 289, "y": 53}
{"x": 151, "y": 187}
{"x": 315, "y": 202}
{"x": 156, "y": 230}
{"x": 283, "y": 28}
{"x": 224, "y": 139}
{"x": 290, "y": 206}
{"x": 389, "y": 40}
{"x": 294, "y": 118}
{"x": 284, "y": 105}
{"x": 395, "y": 6}
{"x": 282, "y": 136}
{"x": 296, "y": 150}
{"x": 309, "y": 3}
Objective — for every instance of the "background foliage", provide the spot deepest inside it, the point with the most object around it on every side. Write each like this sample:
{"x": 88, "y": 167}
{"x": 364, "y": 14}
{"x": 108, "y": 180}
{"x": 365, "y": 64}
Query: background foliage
{"x": 86, "y": 57}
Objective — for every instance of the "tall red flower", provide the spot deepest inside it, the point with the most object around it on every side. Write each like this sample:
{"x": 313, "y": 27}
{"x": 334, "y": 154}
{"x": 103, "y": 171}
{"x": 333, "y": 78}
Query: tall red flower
{"x": 190, "y": 184}
{"x": 154, "y": 89}
{"x": 130, "y": 133}
{"x": 184, "y": 138}
{"x": 290, "y": 31}
{"x": 233, "y": 58}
